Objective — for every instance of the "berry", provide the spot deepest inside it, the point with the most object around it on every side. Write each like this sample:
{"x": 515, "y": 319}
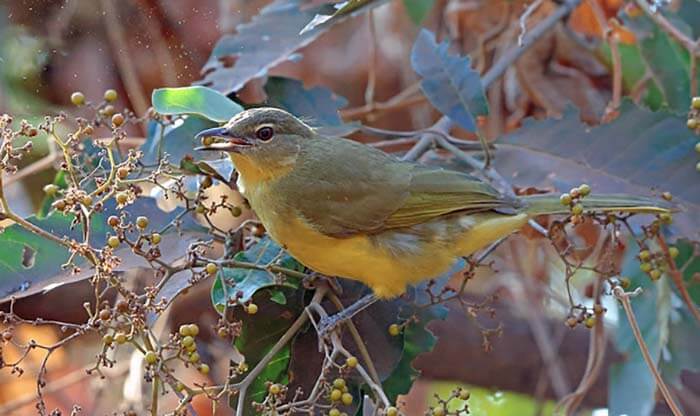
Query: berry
{"x": 673, "y": 252}
{"x": 86, "y": 200}
{"x": 577, "y": 209}
{"x": 338, "y": 383}
{"x": 142, "y": 222}
{"x": 275, "y": 388}
{"x": 336, "y": 395}
{"x": 211, "y": 268}
{"x": 438, "y": 411}
{"x": 50, "y": 189}
{"x": 223, "y": 332}
{"x": 122, "y": 172}
{"x": 207, "y": 141}
{"x": 120, "y": 337}
{"x": 113, "y": 241}
{"x": 574, "y": 193}
{"x": 191, "y": 348}
{"x": 351, "y": 362}
{"x": 200, "y": 209}
{"x": 667, "y": 195}
{"x": 122, "y": 306}
{"x": 113, "y": 221}
{"x": 571, "y": 322}
{"x": 346, "y": 399}
{"x": 32, "y": 132}
{"x": 655, "y": 274}
{"x": 645, "y": 267}
{"x": 187, "y": 341}
{"x": 180, "y": 386}
{"x": 111, "y": 95}
{"x": 565, "y": 199}
{"x": 59, "y": 204}
{"x": 194, "y": 329}
{"x": 204, "y": 369}
{"x": 236, "y": 211}
{"x": 151, "y": 357}
{"x": 122, "y": 198}
{"x": 77, "y": 98}
{"x": 392, "y": 411}
{"x": 590, "y": 322}
{"x": 394, "y": 330}
{"x": 464, "y": 394}
{"x": 644, "y": 255}
{"x": 598, "y": 309}
{"x": 252, "y": 309}
{"x": 194, "y": 357}
{"x": 695, "y": 103}
{"x": 693, "y": 123}
{"x": 184, "y": 330}
{"x": 334, "y": 412}
{"x": 625, "y": 282}
{"x": 697, "y": 166}
{"x": 666, "y": 218}
{"x": 584, "y": 189}
{"x": 117, "y": 120}
{"x": 108, "y": 110}
{"x": 155, "y": 238}
{"x": 7, "y": 336}
{"x": 108, "y": 339}
{"x": 105, "y": 314}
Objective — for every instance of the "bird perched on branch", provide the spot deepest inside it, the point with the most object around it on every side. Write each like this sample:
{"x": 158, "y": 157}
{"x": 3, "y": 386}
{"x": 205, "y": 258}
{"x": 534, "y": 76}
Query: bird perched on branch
{"x": 346, "y": 209}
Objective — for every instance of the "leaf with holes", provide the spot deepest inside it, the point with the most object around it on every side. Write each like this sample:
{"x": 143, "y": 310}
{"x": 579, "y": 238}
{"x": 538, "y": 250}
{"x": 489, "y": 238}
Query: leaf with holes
{"x": 268, "y": 40}
{"x": 449, "y": 82}
{"x": 198, "y": 100}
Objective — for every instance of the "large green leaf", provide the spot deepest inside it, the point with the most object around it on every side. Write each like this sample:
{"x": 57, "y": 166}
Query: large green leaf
{"x": 202, "y": 101}
{"x": 637, "y": 152}
{"x": 448, "y": 81}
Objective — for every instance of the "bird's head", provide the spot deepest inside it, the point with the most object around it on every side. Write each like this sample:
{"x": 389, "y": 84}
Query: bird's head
{"x": 265, "y": 138}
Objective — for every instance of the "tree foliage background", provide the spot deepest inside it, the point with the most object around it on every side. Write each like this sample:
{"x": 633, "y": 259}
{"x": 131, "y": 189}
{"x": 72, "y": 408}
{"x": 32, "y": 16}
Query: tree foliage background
{"x": 135, "y": 280}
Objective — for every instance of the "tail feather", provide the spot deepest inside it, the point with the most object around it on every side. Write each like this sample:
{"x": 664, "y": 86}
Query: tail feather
{"x": 549, "y": 204}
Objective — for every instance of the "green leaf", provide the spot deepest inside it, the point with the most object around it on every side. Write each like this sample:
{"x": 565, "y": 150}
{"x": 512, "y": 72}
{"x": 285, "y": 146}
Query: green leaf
{"x": 418, "y": 9}
{"x": 689, "y": 262}
{"x": 274, "y": 372}
{"x": 449, "y": 82}
{"x": 242, "y": 283}
{"x": 638, "y": 151}
{"x": 202, "y": 101}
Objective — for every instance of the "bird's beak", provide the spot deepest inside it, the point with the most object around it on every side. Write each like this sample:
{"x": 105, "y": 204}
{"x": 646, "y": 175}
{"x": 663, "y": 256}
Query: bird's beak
{"x": 232, "y": 144}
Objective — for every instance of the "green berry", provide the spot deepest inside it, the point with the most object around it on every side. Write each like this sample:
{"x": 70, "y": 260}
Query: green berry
{"x": 590, "y": 322}
{"x": 236, "y": 211}
{"x": 438, "y": 411}
{"x": 334, "y": 412}
{"x": 50, "y": 189}
{"x": 394, "y": 330}
{"x": 655, "y": 274}
{"x": 142, "y": 222}
{"x": 204, "y": 369}
{"x": 673, "y": 252}
{"x": 584, "y": 189}
{"x": 644, "y": 255}
{"x": 194, "y": 329}
{"x": 645, "y": 267}
{"x": 151, "y": 357}
{"x": 184, "y": 330}
{"x": 697, "y": 166}
{"x": 697, "y": 147}
{"x": 336, "y": 394}
{"x": 77, "y": 98}
{"x": 187, "y": 341}
{"x": 338, "y": 383}
{"x": 351, "y": 362}
{"x": 113, "y": 241}
{"x": 275, "y": 388}
{"x": 194, "y": 357}
{"x": 565, "y": 199}
{"x": 192, "y": 347}
{"x": 577, "y": 209}
{"x": 695, "y": 103}
{"x": 108, "y": 339}
{"x": 155, "y": 238}
{"x": 111, "y": 95}
{"x": 346, "y": 399}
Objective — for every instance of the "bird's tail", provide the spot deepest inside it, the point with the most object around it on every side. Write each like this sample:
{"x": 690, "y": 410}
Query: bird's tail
{"x": 551, "y": 204}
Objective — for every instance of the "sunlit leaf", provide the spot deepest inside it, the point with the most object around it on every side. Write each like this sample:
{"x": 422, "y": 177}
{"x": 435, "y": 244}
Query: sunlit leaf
{"x": 202, "y": 101}
{"x": 448, "y": 81}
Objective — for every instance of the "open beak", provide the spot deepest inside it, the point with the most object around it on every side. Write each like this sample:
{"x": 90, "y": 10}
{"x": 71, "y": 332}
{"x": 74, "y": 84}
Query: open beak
{"x": 232, "y": 144}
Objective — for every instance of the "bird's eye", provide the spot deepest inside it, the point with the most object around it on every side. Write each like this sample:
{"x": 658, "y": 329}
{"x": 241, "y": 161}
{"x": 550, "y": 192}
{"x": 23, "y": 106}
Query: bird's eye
{"x": 264, "y": 133}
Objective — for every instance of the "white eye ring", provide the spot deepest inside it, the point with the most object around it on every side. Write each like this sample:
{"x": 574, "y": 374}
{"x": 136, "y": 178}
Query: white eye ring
{"x": 264, "y": 133}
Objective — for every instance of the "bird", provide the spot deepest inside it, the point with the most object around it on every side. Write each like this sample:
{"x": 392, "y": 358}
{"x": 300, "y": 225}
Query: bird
{"x": 346, "y": 209}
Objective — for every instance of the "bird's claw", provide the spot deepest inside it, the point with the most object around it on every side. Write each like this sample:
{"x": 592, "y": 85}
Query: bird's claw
{"x": 327, "y": 325}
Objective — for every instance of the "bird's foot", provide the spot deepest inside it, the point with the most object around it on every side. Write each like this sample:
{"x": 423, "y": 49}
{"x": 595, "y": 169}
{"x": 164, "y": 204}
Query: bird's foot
{"x": 330, "y": 323}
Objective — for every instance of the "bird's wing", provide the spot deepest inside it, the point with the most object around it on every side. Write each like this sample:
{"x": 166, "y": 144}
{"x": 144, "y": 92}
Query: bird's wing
{"x": 368, "y": 191}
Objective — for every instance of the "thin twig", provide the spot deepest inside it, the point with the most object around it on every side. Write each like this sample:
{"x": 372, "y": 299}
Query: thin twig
{"x": 523, "y": 19}
{"x": 677, "y": 278}
{"x": 623, "y": 297}
{"x": 372, "y": 62}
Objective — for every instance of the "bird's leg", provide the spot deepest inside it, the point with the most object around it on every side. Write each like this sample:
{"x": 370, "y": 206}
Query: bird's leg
{"x": 311, "y": 281}
{"x": 329, "y": 323}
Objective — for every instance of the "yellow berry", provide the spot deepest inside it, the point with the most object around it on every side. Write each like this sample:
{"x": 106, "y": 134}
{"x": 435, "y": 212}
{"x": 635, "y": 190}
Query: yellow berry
{"x": 695, "y": 103}
{"x": 590, "y": 322}
{"x": 438, "y": 411}
{"x": 346, "y": 399}
{"x": 697, "y": 147}
{"x": 187, "y": 341}
{"x": 464, "y": 394}
{"x": 184, "y": 330}
{"x": 392, "y": 411}
{"x": 693, "y": 123}
{"x": 565, "y": 199}
{"x": 207, "y": 141}
{"x": 625, "y": 282}
{"x": 645, "y": 267}
{"x": 120, "y": 338}
{"x": 122, "y": 198}
{"x": 598, "y": 309}
{"x": 252, "y": 309}
{"x": 644, "y": 255}
{"x": 577, "y": 209}
{"x": 151, "y": 357}
{"x": 204, "y": 369}
{"x": 338, "y": 383}
{"x": 113, "y": 241}
{"x": 697, "y": 166}
{"x": 77, "y": 98}
{"x": 334, "y": 412}
{"x": 86, "y": 200}
{"x": 667, "y": 196}
{"x": 351, "y": 362}
{"x": 142, "y": 222}
{"x": 180, "y": 386}
{"x": 211, "y": 268}
{"x": 108, "y": 339}
{"x": 110, "y": 95}
{"x": 194, "y": 357}
{"x": 673, "y": 252}
{"x": 117, "y": 120}
{"x": 108, "y": 110}
{"x": 394, "y": 330}
{"x": 336, "y": 394}
{"x": 50, "y": 189}
{"x": 584, "y": 189}
{"x": 275, "y": 388}
{"x": 155, "y": 238}
{"x": 194, "y": 329}
{"x": 655, "y": 274}
{"x": 191, "y": 348}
